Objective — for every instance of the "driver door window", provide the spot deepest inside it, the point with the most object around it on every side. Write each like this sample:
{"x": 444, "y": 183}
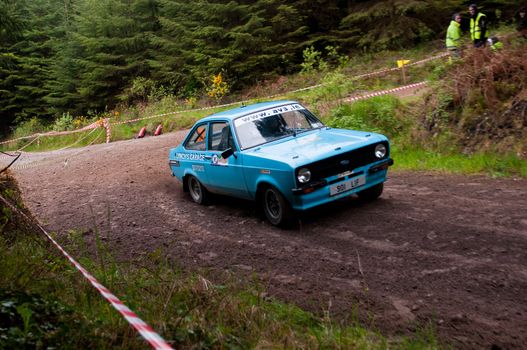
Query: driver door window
{"x": 220, "y": 137}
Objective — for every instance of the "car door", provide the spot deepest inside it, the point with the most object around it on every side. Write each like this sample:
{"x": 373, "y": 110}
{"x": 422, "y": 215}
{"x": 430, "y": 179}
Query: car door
{"x": 194, "y": 157}
{"x": 225, "y": 175}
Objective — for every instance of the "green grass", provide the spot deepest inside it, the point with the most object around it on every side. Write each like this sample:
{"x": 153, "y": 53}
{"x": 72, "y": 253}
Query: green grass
{"x": 496, "y": 165}
{"x": 46, "y": 303}
{"x": 390, "y": 116}
{"x": 377, "y": 114}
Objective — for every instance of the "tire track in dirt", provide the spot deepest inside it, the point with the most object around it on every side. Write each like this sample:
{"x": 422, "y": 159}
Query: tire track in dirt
{"x": 447, "y": 250}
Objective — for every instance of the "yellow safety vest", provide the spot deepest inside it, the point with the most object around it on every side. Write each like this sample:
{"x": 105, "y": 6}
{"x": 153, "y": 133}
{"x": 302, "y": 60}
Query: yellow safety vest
{"x": 475, "y": 30}
{"x": 453, "y": 34}
{"x": 496, "y": 46}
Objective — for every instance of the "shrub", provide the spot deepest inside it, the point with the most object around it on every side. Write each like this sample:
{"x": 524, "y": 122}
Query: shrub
{"x": 144, "y": 90}
{"x": 218, "y": 88}
{"x": 65, "y": 122}
{"x": 378, "y": 114}
{"x": 312, "y": 59}
{"x": 28, "y": 127}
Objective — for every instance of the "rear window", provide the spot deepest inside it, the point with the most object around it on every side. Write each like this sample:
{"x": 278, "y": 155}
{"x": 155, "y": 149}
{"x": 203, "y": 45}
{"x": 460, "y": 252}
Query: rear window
{"x": 197, "y": 141}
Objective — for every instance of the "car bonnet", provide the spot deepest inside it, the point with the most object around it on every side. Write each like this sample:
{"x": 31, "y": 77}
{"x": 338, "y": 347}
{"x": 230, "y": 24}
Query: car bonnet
{"x": 314, "y": 145}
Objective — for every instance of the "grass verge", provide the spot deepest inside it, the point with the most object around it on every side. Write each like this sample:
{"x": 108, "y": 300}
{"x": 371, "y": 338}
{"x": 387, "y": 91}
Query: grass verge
{"x": 415, "y": 149}
{"x": 495, "y": 165}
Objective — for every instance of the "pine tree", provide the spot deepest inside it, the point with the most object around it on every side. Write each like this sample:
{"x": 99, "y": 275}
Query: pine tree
{"x": 108, "y": 47}
{"x": 374, "y": 26}
{"x": 247, "y": 40}
{"x": 169, "y": 66}
{"x": 10, "y": 29}
{"x": 62, "y": 87}
{"x": 289, "y": 30}
{"x": 10, "y": 21}
{"x": 26, "y": 58}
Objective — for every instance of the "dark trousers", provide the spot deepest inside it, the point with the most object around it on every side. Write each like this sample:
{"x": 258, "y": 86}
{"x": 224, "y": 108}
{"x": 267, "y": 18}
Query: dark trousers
{"x": 480, "y": 42}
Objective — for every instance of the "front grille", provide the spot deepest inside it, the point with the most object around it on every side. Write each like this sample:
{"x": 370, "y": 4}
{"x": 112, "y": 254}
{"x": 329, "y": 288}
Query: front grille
{"x": 334, "y": 165}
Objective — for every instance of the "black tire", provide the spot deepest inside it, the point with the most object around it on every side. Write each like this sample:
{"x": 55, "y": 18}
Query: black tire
{"x": 197, "y": 191}
{"x": 276, "y": 208}
{"x": 372, "y": 193}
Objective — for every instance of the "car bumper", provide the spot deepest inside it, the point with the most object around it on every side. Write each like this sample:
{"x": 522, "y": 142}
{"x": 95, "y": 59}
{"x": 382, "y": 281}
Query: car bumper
{"x": 320, "y": 192}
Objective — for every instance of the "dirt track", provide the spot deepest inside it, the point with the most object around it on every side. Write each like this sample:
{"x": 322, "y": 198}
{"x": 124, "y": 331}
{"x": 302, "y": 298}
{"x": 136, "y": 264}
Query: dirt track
{"x": 450, "y": 250}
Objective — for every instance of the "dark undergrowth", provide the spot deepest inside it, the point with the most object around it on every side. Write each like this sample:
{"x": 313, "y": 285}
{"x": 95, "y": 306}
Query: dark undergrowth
{"x": 482, "y": 102}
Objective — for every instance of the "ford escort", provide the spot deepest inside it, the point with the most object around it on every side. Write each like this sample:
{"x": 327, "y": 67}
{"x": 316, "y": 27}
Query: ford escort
{"x": 280, "y": 155}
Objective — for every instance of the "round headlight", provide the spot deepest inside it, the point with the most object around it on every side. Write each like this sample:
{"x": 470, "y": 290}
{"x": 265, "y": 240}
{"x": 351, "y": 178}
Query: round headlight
{"x": 380, "y": 151}
{"x": 304, "y": 175}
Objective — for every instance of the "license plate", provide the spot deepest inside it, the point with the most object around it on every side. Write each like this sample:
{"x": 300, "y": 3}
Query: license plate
{"x": 347, "y": 185}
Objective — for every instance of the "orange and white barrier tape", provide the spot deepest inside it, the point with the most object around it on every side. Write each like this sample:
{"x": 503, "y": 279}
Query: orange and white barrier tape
{"x": 144, "y": 329}
{"x": 29, "y": 143}
{"x": 106, "y": 125}
{"x": 78, "y": 141}
{"x": 367, "y": 75}
{"x": 384, "y": 92}
{"x": 97, "y": 124}
{"x": 68, "y": 132}
{"x": 179, "y": 112}
{"x": 31, "y": 163}
{"x": 18, "y": 139}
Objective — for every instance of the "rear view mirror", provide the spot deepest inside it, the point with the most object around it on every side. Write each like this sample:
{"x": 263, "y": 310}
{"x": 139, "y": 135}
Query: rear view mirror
{"x": 227, "y": 153}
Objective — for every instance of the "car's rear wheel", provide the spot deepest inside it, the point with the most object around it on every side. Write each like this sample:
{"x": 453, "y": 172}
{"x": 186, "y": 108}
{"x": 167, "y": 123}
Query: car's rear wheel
{"x": 371, "y": 193}
{"x": 276, "y": 208}
{"x": 198, "y": 193}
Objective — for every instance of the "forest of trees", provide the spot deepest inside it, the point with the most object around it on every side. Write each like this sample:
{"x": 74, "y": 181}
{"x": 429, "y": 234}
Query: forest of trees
{"x": 84, "y": 56}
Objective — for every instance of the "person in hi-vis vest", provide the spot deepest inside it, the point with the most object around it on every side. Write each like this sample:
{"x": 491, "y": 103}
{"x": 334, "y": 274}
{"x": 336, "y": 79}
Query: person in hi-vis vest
{"x": 453, "y": 36}
{"x": 478, "y": 26}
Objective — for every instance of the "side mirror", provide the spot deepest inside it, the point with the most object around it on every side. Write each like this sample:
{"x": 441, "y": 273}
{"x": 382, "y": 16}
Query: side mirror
{"x": 227, "y": 153}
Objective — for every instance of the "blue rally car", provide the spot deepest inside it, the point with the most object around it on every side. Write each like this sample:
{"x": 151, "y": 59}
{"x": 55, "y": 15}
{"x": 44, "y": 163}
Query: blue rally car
{"x": 279, "y": 154}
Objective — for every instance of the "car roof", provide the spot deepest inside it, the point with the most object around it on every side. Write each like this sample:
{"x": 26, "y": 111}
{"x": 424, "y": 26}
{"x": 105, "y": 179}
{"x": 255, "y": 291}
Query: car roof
{"x": 234, "y": 113}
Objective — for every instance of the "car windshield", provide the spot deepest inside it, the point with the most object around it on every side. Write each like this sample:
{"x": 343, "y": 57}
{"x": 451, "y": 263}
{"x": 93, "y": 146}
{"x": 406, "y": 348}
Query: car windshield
{"x": 274, "y": 123}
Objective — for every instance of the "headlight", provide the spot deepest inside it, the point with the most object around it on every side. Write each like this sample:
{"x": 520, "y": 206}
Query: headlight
{"x": 380, "y": 151}
{"x": 304, "y": 175}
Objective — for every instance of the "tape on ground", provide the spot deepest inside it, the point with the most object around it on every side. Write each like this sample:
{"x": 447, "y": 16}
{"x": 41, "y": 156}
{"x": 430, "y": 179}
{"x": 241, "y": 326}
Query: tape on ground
{"x": 144, "y": 329}
{"x": 385, "y": 92}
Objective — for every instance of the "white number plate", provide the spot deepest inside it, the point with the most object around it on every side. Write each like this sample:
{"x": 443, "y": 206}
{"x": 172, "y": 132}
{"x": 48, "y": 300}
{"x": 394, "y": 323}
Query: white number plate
{"x": 347, "y": 185}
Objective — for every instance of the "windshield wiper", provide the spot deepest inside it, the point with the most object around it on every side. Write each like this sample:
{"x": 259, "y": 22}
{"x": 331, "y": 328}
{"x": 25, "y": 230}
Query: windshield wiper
{"x": 297, "y": 131}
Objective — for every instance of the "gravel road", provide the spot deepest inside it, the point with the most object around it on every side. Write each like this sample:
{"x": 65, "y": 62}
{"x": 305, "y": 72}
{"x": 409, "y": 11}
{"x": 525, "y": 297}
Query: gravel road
{"x": 445, "y": 250}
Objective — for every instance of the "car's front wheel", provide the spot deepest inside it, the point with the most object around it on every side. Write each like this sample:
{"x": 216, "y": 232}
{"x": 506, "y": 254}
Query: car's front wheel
{"x": 371, "y": 193}
{"x": 198, "y": 193}
{"x": 276, "y": 208}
